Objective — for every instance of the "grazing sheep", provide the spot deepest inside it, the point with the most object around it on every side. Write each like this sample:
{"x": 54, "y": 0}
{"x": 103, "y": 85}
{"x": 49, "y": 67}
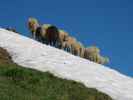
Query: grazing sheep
{"x": 52, "y": 36}
{"x": 32, "y": 25}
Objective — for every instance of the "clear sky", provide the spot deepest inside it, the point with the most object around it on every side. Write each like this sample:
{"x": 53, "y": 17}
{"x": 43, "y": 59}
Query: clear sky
{"x": 105, "y": 23}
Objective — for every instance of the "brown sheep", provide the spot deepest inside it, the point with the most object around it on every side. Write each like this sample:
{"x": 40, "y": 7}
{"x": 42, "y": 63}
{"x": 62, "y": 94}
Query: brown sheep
{"x": 82, "y": 48}
{"x": 68, "y": 44}
{"x": 74, "y": 47}
{"x": 52, "y": 36}
{"x": 92, "y": 54}
{"x": 41, "y": 33}
{"x": 77, "y": 48}
{"x": 45, "y": 34}
{"x": 62, "y": 38}
{"x": 62, "y": 35}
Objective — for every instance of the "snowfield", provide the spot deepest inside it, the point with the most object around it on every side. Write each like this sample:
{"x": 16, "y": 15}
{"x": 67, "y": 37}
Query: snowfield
{"x": 30, "y": 53}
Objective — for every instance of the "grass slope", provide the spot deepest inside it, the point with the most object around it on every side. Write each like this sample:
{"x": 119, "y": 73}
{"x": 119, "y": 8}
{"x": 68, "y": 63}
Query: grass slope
{"x": 18, "y": 83}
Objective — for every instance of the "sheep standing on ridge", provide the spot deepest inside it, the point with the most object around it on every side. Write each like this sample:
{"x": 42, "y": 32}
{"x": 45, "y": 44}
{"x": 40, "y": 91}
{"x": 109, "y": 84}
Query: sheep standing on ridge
{"x": 62, "y": 38}
{"x": 78, "y": 49}
{"x": 41, "y": 33}
{"x": 33, "y": 25}
{"x": 92, "y": 53}
{"x": 68, "y": 45}
{"x": 81, "y": 50}
{"x": 48, "y": 34}
{"x": 73, "y": 46}
{"x": 52, "y": 36}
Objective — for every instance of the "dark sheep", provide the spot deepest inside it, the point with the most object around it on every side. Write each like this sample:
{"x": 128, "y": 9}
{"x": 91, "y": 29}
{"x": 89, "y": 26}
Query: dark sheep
{"x": 39, "y": 34}
{"x": 52, "y": 36}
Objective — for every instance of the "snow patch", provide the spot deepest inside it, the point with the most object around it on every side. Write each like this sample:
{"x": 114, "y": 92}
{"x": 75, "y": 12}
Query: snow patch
{"x": 32, "y": 54}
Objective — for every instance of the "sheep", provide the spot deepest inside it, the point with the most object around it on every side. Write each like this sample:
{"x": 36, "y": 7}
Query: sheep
{"x": 62, "y": 38}
{"x": 41, "y": 33}
{"x": 38, "y": 35}
{"x": 68, "y": 44}
{"x": 92, "y": 53}
{"x": 52, "y": 36}
{"x": 33, "y": 25}
{"x": 82, "y": 48}
{"x": 44, "y": 36}
{"x": 71, "y": 45}
{"x": 77, "y": 48}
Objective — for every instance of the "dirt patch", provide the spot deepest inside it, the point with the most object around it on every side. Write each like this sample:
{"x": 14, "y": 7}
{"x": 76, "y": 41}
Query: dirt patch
{"x": 5, "y": 56}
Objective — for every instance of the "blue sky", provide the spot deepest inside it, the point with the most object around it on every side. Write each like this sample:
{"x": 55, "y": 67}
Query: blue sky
{"x": 105, "y": 23}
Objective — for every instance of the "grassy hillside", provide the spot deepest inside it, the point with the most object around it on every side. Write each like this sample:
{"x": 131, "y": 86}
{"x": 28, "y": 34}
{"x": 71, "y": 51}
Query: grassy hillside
{"x": 18, "y": 83}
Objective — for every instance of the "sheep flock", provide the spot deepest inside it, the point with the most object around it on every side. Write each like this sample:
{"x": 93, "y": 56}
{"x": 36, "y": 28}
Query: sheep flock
{"x": 51, "y": 35}
{"x": 58, "y": 38}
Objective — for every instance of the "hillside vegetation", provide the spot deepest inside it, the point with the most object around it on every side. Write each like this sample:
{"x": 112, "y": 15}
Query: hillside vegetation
{"x": 19, "y": 83}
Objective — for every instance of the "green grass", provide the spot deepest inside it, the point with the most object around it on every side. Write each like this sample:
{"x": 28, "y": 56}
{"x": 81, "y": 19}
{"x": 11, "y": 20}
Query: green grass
{"x": 19, "y": 83}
